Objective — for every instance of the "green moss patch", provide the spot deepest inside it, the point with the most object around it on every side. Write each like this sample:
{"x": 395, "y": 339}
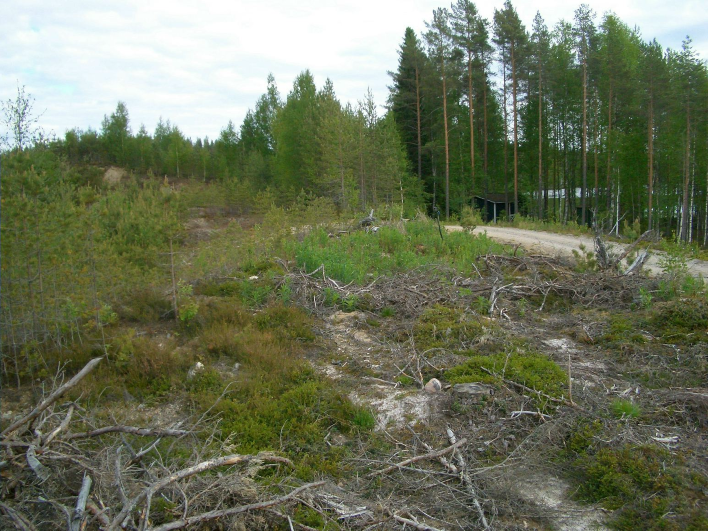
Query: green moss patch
{"x": 649, "y": 488}
{"x": 532, "y": 369}
{"x": 445, "y": 327}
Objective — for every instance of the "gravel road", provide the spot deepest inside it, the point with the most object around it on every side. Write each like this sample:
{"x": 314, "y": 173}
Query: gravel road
{"x": 549, "y": 243}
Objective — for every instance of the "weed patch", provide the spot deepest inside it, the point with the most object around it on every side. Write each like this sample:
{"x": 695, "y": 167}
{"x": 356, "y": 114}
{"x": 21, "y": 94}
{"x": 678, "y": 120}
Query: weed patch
{"x": 445, "y": 327}
{"x": 359, "y": 256}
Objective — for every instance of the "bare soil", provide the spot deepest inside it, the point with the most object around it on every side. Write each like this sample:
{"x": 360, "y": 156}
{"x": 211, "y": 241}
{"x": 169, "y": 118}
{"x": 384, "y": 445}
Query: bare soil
{"x": 552, "y": 244}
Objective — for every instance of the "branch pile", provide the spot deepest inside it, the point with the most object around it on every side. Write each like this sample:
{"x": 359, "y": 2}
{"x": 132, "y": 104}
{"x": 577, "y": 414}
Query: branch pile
{"x": 60, "y": 472}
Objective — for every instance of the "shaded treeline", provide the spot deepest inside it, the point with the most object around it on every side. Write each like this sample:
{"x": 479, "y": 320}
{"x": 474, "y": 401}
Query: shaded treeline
{"x": 586, "y": 110}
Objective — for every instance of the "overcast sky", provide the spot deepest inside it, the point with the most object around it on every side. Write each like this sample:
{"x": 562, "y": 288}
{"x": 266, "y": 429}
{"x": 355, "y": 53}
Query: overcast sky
{"x": 201, "y": 64}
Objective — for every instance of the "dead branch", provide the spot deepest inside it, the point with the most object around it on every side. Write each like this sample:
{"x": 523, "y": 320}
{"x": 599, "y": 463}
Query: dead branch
{"x": 98, "y": 514}
{"x": 200, "y": 518}
{"x": 78, "y": 516}
{"x": 638, "y": 263}
{"x": 467, "y": 481}
{"x": 430, "y": 455}
{"x": 143, "y": 432}
{"x": 21, "y": 521}
{"x": 624, "y": 254}
{"x": 228, "y": 460}
{"x": 64, "y": 423}
{"x": 517, "y": 414}
{"x": 414, "y": 524}
{"x": 51, "y": 398}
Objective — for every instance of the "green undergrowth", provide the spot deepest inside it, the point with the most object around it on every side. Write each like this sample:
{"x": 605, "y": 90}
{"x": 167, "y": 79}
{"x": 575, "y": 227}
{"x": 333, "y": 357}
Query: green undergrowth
{"x": 445, "y": 327}
{"x": 275, "y": 400}
{"x": 647, "y": 487}
{"x": 255, "y": 381}
{"x": 531, "y": 369}
{"x": 360, "y": 256}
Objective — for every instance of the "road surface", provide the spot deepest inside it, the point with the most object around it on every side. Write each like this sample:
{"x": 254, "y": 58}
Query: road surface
{"x": 553, "y": 244}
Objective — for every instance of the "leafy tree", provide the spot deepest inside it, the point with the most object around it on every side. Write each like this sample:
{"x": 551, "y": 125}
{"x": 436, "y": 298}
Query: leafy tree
{"x": 20, "y": 120}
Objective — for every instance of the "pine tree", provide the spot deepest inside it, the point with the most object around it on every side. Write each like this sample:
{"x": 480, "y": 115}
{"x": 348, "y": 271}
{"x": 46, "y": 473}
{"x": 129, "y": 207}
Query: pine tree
{"x": 540, "y": 39}
{"x": 511, "y": 38}
{"x": 584, "y": 31}
{"x": 405, "y": 98}
{"x": 464, "y": 26}
{"x": 439, "y": 43}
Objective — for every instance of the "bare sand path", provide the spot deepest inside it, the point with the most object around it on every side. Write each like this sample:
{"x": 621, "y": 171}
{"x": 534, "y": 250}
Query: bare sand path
{"x": 550, "y": 243}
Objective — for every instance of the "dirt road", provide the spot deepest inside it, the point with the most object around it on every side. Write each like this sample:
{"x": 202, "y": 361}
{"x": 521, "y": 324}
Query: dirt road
{"x": 563, "y": 244}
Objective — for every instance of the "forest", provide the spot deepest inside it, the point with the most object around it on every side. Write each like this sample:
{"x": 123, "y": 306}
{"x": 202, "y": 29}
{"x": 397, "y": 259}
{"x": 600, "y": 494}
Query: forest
{"x": 585, "y": 117}
{"x": 209, "y": 332}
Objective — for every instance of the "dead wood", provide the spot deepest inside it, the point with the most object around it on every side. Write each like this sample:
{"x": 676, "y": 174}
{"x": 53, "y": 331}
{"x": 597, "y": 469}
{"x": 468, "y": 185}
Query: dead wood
{"x": 143, "y": 432}
{"x": 414, "y": 523}
{"x": 20, "y": 520}
{"x": 51, "y": 398}
{"x": 430, "y": 455}
{"x": 78, "y": 516}
{"x": 212, "y": 515}
{"x": 228, "y": 460}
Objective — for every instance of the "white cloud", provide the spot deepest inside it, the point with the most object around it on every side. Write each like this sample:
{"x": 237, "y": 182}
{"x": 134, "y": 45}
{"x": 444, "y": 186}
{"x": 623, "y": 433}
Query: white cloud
{"x": 201, "y": 64}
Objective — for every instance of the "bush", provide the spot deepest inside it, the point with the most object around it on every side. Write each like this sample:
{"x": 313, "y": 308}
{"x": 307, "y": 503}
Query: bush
{"x": 470, "y": 218}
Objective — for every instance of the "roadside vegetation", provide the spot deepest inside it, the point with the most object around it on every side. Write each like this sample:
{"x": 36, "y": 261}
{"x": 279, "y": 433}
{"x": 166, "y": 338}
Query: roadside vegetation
{"x": 215, "y": 335}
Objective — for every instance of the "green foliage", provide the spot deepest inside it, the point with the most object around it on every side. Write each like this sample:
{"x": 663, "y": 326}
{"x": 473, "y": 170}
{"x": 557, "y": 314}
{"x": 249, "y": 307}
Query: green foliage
{"x": 388, "y": 311}
{"x": 360, "y": 255}
{"x": 625, "y": 409}
{"x": 532, "y": 369}
{"x": 470, "y": 218}
{"x": 482, "y": 305}
{"x": 631, "y": 232}
{"x": 445, "y": 327}
{"x": 188, "y": 305}
{"x": 674, "y": 262}
{"x": 585, "y": 259}
{"x": 645, "y": 298}
{"x": 643, "y": 484}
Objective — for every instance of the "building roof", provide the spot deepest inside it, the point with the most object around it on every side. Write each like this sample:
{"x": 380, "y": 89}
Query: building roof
{"x": 496, "y": 198}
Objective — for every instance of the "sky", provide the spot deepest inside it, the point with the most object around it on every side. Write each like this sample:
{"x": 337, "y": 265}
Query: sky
{"x": 201, "y": 64}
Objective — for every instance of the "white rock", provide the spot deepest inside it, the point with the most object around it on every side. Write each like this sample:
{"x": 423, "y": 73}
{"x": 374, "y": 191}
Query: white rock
{"x": 433, "y": 386}
{"x": 472, "y": 389}
{"x": 198, "y": 367}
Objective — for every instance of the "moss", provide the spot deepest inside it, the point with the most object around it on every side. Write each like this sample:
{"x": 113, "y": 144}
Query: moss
{"x": 445, "y": 327}
{"x": 532, "y": 369}
{"x": 648, "y": 487}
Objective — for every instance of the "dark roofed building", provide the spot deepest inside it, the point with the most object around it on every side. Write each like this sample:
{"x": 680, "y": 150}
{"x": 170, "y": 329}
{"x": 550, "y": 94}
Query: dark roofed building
{"x": 492, "y": 205}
